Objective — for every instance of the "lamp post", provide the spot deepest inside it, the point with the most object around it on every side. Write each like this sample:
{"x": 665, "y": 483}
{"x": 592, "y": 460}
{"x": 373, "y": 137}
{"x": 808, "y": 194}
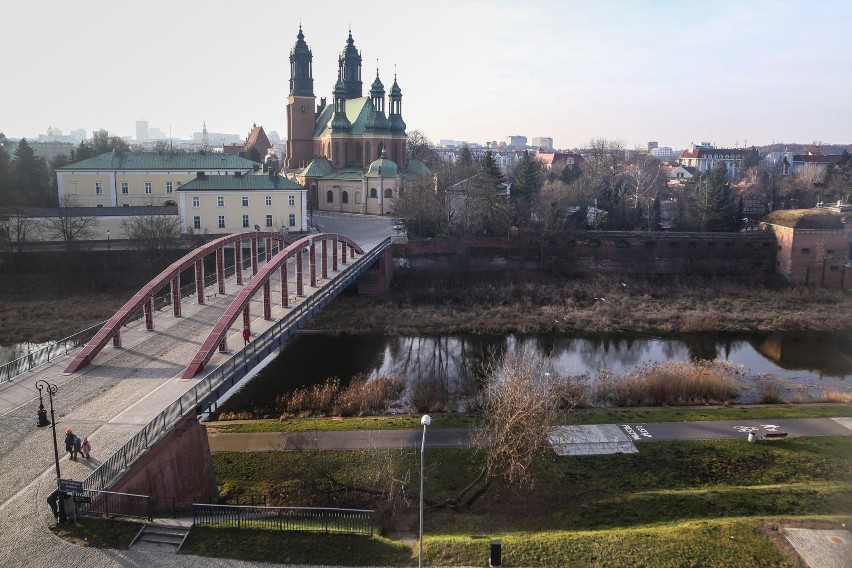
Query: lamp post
{"x": 425, "y": 420}
{"x": 107, "y": 239}
{"x": 43, "y": 385}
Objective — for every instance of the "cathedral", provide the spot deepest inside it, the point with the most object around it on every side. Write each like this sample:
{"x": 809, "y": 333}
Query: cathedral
{"x": 350, "y": 155}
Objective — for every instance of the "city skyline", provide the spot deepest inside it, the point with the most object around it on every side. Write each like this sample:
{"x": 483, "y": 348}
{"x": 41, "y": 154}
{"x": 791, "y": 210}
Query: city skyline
{"x": 729, "y": 73}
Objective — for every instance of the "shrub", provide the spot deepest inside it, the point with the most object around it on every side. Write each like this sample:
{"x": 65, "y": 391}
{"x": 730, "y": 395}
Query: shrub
{"x": 428, "y": 395}
{"x": 768, "y": 389}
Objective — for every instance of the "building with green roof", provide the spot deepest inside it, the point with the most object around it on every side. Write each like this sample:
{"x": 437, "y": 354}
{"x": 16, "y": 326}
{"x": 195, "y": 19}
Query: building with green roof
{"x": 351, "y": 155}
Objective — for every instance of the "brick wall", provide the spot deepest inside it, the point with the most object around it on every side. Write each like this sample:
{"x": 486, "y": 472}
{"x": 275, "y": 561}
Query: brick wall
{"x": 813, "y": 256}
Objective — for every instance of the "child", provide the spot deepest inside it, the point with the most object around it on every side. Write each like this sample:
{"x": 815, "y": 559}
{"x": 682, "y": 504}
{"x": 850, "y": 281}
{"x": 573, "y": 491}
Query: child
{"x": 86, "y": 447}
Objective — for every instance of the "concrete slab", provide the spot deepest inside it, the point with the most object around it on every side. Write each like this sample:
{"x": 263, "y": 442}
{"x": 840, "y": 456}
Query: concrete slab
{"x": 822, "y": 548}
{"x": 596, "y": 439}
{"x": 845, "y": 422}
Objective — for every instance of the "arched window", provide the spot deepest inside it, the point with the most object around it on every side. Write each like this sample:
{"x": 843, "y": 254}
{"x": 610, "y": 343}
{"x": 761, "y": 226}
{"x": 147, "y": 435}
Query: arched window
{"x": 344, "y": 197}
{"x": 379, "y": 149}
{"x": 329, "y": 196}
{"x": 388, "y": 192}
{"x": 373, "y": 192}
{"x": 367, "y": 150}
{"x": 357, "y": 197}
{"x": 358, "y": 152}
{"x": 169, "y": 203}
{"x": 336, "y": 152}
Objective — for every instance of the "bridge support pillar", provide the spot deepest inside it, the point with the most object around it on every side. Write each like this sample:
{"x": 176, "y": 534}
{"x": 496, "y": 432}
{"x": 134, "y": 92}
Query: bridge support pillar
{"x": 343, "y": 253}
{"x": 176, "y": 295}
{"x": 199, "y": 281}
{"x": 267, "y": 300}
{"x": 246, "y": 318}
{"x": 300, "y": 289}
{"x": 268, "y": 249}
{"x": 313, "y": 264}
{"x": 238, "y": 261}
{"x": 253, "y": 256}
{"x": 116, "y": 339}
{"x": 285, "y": 293}
{"x": 220, "y": 269}
{"x": 334, "y": 254}
{"x": 324, "y": 259}
{"x": 376, "y": 280}
{"x": 148, "y": 308}
{"x": 223, "y": 346}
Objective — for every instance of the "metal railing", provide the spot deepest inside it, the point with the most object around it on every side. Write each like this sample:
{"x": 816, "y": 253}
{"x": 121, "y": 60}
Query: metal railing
{"x": 113, "y": 504}
{"x": 207, "y": 389}
{"x": 313, "y": 519}
{"x": 45, "y": 354}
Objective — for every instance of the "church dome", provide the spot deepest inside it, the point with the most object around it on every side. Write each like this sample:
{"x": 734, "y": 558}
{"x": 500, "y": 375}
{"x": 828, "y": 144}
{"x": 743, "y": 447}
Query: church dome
{"x": 383, "y": 168}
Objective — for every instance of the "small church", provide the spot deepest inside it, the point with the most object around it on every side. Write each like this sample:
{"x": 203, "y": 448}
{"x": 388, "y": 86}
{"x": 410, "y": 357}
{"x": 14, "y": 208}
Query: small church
{"x": 350, "y": 155}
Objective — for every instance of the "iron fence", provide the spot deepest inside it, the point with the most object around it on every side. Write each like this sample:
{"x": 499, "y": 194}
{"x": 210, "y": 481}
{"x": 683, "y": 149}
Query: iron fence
{"x": 113, "y": 504}
{"x": 45, "y": 354}
{"x": 230, "y": 371}
{"x": 313, "y": 519}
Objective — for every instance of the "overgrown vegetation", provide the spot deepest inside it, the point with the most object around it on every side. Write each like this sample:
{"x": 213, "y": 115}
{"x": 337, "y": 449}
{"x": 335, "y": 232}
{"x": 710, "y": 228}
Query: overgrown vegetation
{"x": 98, "y": 532}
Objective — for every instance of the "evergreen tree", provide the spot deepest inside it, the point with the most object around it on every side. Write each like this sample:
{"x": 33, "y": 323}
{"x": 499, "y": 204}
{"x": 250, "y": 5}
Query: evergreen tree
{"x": 465, "y": 159}
{"x": 30, "y": 178}
{"x": 487, "y": 212}
{"x": 5, "y": 171}
{"x": 570, "y": 173}
{"x": 714, "y": 206}
{"x": 526, "y": 187}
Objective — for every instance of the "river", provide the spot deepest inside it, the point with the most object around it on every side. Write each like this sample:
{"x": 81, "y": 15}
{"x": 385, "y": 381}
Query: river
{"x": 814, "y": 361}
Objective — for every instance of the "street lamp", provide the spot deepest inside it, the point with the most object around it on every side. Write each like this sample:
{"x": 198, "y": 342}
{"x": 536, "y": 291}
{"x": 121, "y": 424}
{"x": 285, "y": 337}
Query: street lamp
{"x": 107, "y": 239}
{"x": 43, "y": 385}
{"x": 425, "y": 420}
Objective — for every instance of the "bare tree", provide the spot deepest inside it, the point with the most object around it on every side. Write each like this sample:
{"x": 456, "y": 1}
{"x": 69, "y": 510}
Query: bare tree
{"x": 17, "y": 228}
{"x": 70, "y": 225}
{"x": 424, "y": 208}
{"x": 152, "y": 235}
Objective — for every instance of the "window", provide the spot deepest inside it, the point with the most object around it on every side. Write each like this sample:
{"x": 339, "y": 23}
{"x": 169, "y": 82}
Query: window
{"x": 829, "y": 251}
{"x": 344, "y": 197}
{"x": 245, "y": 201}
{"x": 220, "y": 201}
{"x": 269, "y": 220}
{"x": 99, "y": 205}
{"x": 373, "y": 192}
{"x": 292, "y": 219}
{"x": 196, "y": 202}
{"x": 126, "y": 205}
{"x": 806, "y": 251}
{"x": 269, "y": 201}
{"x": 245, "y": 221}
{"x": 169, "y": 187}
{"x": 125, "y": 188}
{"x": 388, "y": 192}
{"x": 291, "y": 200}
{"x": 99, "y": 188}
{"x": 329, "y": 196}
{"x": 196, "y": 222}
{"x": 221, "y": 221}
{"x": 149, "y": 187}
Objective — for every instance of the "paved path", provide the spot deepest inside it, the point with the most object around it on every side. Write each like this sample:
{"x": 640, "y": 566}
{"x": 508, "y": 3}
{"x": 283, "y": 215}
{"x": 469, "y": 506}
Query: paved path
{"x": 577, "y": 435}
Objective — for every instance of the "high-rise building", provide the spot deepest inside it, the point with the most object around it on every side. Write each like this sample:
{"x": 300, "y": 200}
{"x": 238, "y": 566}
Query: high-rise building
{"x": 142, "y": 130}
{"x": 516, "y": 141}
{"x": 543, "y": 142}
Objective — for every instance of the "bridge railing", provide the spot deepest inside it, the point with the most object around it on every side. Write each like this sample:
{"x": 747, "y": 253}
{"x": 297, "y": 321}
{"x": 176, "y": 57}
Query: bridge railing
{"x": 235, "y": 368}
{"x": 314, "y": 519}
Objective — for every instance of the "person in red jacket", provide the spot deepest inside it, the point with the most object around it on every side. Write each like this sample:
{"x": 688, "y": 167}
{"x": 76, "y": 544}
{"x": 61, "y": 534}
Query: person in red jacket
{"x": 246, "y": 335}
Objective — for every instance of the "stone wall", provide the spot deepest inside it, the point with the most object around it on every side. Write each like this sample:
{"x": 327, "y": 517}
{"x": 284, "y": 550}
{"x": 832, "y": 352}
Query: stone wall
{"x": 176, "y": 471}
{"x": 813, "y": 256}
{"x": 577, "y": 252}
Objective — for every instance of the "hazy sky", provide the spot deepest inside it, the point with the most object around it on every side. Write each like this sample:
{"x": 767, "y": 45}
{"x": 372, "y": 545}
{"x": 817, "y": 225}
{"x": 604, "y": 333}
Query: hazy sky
{"x": 671, "y": 71}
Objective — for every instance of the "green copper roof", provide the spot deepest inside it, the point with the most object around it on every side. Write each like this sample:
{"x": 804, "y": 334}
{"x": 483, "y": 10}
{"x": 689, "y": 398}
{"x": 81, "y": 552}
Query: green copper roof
{"x": 157, "y": 161}
{"x": 258, "y": 182}
{"x": 357, "y": 111}
{"x": 318, "y": 167}
{"x": 383, "y": 168}
{"x": 417, "y": 167}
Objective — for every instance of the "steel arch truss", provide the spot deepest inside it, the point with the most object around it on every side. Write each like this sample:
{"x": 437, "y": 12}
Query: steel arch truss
{"x": 143, "y": 299}
{"x": 261, "y": 281}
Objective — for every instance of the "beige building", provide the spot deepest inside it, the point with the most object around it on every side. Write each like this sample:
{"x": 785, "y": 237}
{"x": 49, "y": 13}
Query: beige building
{"x": 232, "y": 203}
{"x": 127, "y": 179}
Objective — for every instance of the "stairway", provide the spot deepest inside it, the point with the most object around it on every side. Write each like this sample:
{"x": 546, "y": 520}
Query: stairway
{"x": 160, "y": 535}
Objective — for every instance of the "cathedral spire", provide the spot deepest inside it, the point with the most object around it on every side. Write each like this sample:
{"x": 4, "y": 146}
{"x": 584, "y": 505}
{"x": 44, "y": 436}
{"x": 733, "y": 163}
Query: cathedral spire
{"x": 301, "y": 68}
{"x": 340, "y": 121}
{"x": 395, "y": 106}
{"x": 350, "y": 68}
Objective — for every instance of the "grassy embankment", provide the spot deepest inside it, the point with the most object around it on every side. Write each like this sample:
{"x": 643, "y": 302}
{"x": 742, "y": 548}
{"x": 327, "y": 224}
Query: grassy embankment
{"x": 528, "y": 304}
{"x": 713, "y": 503}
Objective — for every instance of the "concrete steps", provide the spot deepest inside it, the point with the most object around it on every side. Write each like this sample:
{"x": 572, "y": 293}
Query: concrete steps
{"x": 160, "y": 535}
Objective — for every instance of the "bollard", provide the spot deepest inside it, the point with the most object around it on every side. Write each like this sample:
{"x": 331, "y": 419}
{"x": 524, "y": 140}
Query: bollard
{"x": 496, "y": 554}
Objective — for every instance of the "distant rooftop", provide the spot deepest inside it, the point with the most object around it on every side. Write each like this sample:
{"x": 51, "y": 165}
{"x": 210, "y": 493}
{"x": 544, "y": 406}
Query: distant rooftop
{"x": 805, "y": 219}
{"x": 162, "y": 161}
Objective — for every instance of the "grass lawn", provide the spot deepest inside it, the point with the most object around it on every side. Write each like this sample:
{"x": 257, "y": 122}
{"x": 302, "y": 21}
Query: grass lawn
{"x": 584, "y": 416}
{"x": 672, "y": 504}
{"x": 100, "y": 533}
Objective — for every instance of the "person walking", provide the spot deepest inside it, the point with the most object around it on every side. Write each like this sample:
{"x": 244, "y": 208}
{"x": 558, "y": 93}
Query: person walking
{"x": 72, "y": 443}
{"x": 85, "y": 448}
{"x": 246, "y": 335}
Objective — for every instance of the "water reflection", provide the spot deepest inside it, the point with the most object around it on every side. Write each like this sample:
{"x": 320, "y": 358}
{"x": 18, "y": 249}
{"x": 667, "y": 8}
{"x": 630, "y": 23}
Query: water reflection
{"x": 457, "y": 361}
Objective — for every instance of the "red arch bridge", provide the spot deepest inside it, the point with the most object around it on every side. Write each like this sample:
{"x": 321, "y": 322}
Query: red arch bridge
{"x": 328, "y": 262}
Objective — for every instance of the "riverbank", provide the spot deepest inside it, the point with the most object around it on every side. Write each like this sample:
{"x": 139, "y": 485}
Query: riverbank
{"x": 526, "y": 303}
{"x": 534, "y": 303}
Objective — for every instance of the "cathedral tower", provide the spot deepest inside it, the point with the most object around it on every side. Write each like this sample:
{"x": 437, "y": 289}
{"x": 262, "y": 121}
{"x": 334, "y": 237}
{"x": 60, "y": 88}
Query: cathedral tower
{"x": 301, "y": 104}
{"x": 350, "y": 69}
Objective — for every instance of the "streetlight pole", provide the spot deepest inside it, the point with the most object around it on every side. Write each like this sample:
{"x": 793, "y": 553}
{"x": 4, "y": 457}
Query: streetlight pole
{"x": 43, "y": 385}
{"x": 425, "y": 420}
{"x": 107, "y": 239}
